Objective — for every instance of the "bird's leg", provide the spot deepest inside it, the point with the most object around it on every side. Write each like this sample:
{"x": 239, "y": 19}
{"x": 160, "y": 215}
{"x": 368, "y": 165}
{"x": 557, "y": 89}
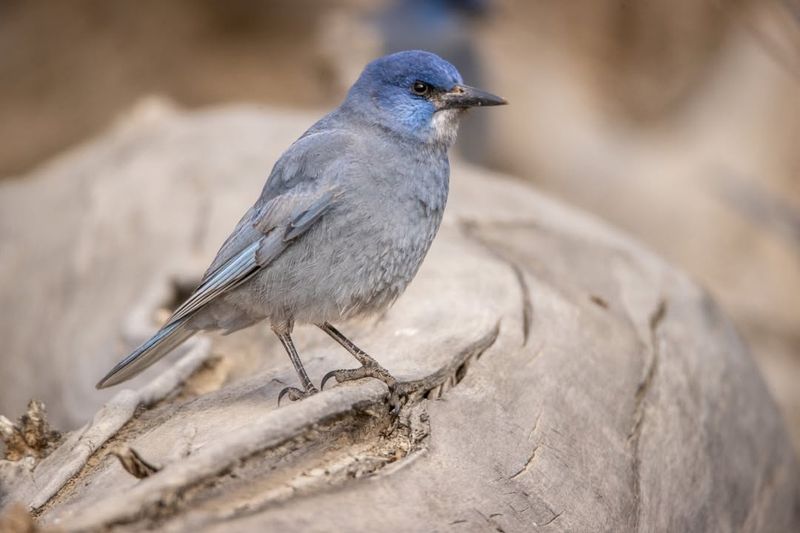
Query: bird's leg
{"x": 293, "y": 392}
{"x": 369, "y": 368}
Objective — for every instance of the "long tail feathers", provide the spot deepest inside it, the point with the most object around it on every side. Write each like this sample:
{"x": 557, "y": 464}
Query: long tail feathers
{"x": 230, "y": 274}
{"x": 159, "y": 345}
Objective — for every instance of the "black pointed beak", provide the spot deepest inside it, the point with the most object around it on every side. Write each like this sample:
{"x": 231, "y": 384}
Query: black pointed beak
{"x": 464, "y": 96}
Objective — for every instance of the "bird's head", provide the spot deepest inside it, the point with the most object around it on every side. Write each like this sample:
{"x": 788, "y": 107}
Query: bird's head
{"x": 417, "y": 94}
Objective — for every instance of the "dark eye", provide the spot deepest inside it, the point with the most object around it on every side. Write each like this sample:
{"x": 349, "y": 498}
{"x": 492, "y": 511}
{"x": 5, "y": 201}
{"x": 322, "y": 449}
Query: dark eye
{"x": 420, "y": 88}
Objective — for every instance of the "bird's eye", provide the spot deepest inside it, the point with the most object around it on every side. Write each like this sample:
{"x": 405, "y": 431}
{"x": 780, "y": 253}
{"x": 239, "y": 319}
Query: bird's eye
{"x": 420, "y": 88}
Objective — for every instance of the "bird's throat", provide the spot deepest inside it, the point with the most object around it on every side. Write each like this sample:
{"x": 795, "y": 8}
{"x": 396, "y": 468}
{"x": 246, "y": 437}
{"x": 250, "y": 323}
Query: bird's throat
{"x": 444, "y": 126}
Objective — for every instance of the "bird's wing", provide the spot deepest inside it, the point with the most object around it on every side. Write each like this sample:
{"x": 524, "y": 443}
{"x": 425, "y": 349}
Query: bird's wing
{"x": 229, "y": 275}
{"x": 289, "y": 216}
{"x": 282, "y": 214}
{"x": 306, "y": 170}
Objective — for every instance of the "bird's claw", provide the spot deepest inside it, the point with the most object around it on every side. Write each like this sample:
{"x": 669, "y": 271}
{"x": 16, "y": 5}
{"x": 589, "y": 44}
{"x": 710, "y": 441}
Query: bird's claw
{"x": 364, "y": 371}
{"x": 398, "y": 396}
{"x": 295, "y": 394}
{"x": 398, "y": 393}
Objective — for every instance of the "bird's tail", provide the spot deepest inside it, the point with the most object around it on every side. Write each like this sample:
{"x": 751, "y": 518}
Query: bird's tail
{"x": 159, "y": 345}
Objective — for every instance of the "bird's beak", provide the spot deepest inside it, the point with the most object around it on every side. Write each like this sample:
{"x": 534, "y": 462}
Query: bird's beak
{"x": 464, "y": 96}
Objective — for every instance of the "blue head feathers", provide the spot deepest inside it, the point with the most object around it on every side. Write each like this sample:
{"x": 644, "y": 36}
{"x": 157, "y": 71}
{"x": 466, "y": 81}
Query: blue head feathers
{"x": 402, "y": 91}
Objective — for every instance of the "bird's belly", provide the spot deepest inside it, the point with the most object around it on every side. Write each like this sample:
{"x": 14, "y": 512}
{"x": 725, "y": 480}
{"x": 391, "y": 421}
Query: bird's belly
{"x": 340, "y": 269}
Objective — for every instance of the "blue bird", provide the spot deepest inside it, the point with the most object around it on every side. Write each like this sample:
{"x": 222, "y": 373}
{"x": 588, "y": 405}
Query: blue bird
{"x": 343, "y": 222}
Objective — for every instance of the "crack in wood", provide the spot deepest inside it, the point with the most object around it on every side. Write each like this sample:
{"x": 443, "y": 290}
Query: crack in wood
{"x": 640, "y": 396}
{"x": 469, "y": 229}
{"x": 528, "y": 464}
{"x": 532, "y": 456}
{"x": 450, "y": 375}
{"x": 134, "y": 463}
{"x": 555, "y": 516}
{"x": 491, "y": 521}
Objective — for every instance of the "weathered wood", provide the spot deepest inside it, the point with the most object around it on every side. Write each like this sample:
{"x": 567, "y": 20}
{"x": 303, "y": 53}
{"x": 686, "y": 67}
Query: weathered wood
{"x": 562, "y": 376}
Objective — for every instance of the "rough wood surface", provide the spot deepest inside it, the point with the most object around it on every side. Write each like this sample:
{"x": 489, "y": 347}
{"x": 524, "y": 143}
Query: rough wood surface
{"x": 565, "y": 378}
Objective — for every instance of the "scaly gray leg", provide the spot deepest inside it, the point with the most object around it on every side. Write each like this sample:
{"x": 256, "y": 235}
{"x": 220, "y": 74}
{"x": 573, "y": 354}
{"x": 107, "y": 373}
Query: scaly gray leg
{"x": 293, "y": 392}
{"x": 369, "y": 368}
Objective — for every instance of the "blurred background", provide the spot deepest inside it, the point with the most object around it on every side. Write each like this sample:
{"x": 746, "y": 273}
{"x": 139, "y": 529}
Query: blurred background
{"x": 676, "y": 120}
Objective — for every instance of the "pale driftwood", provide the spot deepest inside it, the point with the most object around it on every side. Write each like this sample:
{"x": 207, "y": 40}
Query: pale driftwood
{"x": 563, "y": 378}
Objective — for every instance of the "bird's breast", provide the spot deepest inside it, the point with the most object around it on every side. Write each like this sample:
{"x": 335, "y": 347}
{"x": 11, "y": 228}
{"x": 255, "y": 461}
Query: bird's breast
{"x": 384, "y": 245}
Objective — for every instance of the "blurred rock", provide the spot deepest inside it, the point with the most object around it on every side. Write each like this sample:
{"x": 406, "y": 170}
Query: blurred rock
{"x": 562, "y": 374}
{"x": 68, "y": 70}
{"x": 17, "y": 519}
{"x": 695, "y": 156}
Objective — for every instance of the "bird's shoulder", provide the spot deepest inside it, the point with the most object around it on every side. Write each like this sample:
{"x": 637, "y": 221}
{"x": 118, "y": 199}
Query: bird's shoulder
{"x": 318, "y": 154}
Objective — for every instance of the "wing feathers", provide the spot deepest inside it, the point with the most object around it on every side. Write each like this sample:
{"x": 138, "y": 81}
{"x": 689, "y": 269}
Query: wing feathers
{"x": 307, "y": 218}
{"x": 226, "y": 277}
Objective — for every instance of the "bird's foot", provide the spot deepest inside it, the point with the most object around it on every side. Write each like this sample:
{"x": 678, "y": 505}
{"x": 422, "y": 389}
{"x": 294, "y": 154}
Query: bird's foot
{"x": 365, "y": 371}
{"x": 294, "y": 394}
{"x": 398, "y": 395}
